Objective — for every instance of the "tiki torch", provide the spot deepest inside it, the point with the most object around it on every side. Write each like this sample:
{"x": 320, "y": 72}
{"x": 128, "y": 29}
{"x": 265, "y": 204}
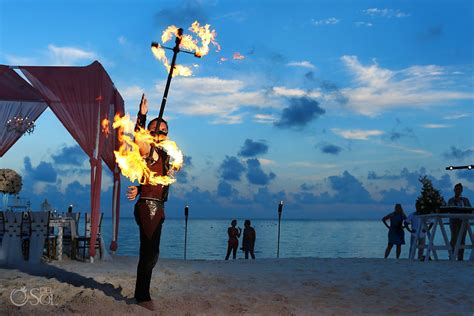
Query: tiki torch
{"x": 186, "y": 212}
{"x": 280, "y": 209}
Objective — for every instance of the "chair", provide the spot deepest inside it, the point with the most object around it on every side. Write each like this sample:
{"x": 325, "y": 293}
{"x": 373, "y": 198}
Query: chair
{"x": 39, "y": 235}
{"x": 25, "y": 234}
{"x": 11, "y": 244}
{"x": 82, "y": 242}
{"x": 2, "y": 227}
{"x": 51, "y": 240}
{"x": 69, "y": 233}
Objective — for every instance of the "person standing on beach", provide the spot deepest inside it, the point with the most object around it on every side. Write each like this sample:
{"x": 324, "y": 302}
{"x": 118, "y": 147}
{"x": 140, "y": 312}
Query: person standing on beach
{"x": 150, "y": 207}
{"x": 455, "y": 223}
{"x": 233, "y": 242}
{"x": 415, "y": 223}
{"x": 248, "y": 241}
{"x": 396, "y": 234}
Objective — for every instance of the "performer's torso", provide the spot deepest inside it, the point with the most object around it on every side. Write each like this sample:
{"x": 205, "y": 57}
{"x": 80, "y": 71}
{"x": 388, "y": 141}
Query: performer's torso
{"x": 160, "y": 166}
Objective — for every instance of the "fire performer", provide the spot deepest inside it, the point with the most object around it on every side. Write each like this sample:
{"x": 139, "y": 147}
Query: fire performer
{"x": 150, "y": 207}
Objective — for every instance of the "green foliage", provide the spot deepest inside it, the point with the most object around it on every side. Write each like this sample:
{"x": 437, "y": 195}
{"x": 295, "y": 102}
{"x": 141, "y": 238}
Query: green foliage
{"x": 430, "y": 199}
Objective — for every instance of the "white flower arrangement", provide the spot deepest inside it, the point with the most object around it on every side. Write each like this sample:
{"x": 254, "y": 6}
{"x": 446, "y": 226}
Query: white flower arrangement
{"x": 10, "y": 182}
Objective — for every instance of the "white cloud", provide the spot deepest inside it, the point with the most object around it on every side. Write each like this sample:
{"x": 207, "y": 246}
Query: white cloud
{"x": 456, "y": 116}
{"x": 265, "y": 118}
{"x": 304, "y": 64}
{"x": 367, "y": 24}
{"x": 66, "y": 56}
{"x": 356, "y": 133}
{"x": 330, "y": 21}
{"x": 378, "y": 89}
{"x": 435, "y": 126}
{"x": 298, "y": 93}
{"x": 220, "y": 98}
{"x": 266, "y": 162}
{"x": 385, "y": 13}
{"x": 132, "y": 93}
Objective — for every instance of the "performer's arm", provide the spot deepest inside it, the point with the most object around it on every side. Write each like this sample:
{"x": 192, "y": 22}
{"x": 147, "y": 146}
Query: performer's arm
{"x": 141, "y": 116}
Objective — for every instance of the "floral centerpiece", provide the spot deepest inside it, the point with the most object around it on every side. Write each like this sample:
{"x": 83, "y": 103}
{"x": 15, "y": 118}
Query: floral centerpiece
{"x": 430, "y": 199}
{"x": 10, "y": 183}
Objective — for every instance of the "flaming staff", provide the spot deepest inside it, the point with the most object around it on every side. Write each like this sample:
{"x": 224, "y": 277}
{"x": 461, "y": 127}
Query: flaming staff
{"x": 206, "y": 35}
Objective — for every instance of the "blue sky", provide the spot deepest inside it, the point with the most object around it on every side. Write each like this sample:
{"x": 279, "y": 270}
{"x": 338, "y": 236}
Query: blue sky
{"x": 337, "y": 107}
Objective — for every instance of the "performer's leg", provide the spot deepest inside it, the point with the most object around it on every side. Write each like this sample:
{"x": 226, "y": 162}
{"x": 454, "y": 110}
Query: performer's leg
{"x": 463, "y": 243}
{"x": 149, "y": 252}
{"x": 454, "y": 233}
{"x": 252, "y": 245}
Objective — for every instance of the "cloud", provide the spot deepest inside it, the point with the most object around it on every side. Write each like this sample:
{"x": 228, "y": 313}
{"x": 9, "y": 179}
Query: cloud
{"x": 44, "y": 172}
{"x": 70, "y": 155}
{"x": 348, "y": 189}
{"x": 299, "y": 113}
{"x": 307, "y": 187}
{"x": 216, "y": 97}
{"x": 303, "y": 64}
{"x": 466, "y": 174}
{"x": 378, "y": 89}
{"x": 385, "y": 13}
{"x": 255, "y": 174}
{"x": 298, "y": 93}
{"x": 329, "y": 21}
{"x": 267, "y": 198}
{"x": 373, "y": 176}
{"x": 330, "y": 149}
{"x": 67, "y": 56}
{"x": 356, "y": 133}
{"x": 132, "y": 93}
{"x": 182, "y": 175}
{"x": 435, "y": 126}
{"x": 458, "y": 153}
{"x": 182, "y": 14}
{"x": 456, "y": 116}
{"x": 360, "y": 23}
{"x": 225, "y": 189}
{"x": 253, "y": 148}
{"x": 231, "y": 169}
{"x": 265, "y": 118}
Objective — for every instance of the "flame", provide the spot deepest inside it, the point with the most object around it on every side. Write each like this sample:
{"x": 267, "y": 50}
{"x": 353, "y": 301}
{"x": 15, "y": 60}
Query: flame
{"x": 131, "y": 162}
{"x": 238, "y": 56}
{"x": 204, "y": 34}
{"x": 105, "y": 127}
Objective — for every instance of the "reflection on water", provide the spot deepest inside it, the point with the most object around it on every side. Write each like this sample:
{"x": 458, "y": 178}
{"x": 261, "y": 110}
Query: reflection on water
{"x": 207, "y": 239}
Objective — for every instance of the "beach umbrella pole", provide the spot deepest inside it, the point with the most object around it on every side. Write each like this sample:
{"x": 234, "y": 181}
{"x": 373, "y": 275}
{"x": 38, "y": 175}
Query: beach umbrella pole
{"x": 280, "y": 209}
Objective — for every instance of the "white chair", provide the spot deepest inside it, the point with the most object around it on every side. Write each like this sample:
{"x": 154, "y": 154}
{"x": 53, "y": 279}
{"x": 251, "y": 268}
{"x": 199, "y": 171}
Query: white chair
{"x": 11, "y": 251}
{"x": 39, "y": 232}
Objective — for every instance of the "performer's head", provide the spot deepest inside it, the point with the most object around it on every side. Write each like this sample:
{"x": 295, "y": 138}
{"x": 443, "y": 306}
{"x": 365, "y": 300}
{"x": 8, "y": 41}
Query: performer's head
{"x": 247, "y": 223}
{"x": 458, "y": 189}
{"x": 234, "y": 222}
{"x": 162, "y": 131}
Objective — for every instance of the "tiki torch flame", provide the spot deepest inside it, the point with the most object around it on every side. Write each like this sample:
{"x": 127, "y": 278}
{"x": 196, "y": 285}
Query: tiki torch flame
{"x": 105, "y": 127}
{"x": 131, "y": 162}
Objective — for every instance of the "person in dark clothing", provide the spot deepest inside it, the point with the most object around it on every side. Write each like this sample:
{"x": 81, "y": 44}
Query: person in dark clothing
{"x": 396, "y": 234}
{"x": 455, "y": 223}
{"x": 248, "y": 241}
{"x": 233, "y": 242}
{"x": 150, "y": 207}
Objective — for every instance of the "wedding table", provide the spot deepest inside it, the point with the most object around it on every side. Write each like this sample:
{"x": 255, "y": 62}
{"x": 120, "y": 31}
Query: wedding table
{"x": 438, "y": 221}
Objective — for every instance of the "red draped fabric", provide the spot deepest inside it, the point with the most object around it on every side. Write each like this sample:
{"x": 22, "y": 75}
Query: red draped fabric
{"x": 80, "y": 97}
{"x": 17, "y": 98}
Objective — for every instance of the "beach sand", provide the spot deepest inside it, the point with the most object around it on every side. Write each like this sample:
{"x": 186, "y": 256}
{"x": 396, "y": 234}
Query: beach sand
{"x": 300, "y": 286}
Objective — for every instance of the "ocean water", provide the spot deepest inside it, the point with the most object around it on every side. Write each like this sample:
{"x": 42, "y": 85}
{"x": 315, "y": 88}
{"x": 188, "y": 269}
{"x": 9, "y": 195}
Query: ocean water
{"x": 207, "y": 239}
